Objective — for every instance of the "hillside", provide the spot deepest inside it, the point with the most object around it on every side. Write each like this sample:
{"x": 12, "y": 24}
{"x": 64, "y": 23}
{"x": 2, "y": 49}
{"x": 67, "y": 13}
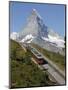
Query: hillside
{"x": 23, "y": 72}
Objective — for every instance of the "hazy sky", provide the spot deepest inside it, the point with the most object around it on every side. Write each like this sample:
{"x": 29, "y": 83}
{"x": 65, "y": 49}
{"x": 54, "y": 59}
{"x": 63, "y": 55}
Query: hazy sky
{"x": 53, "y": 15}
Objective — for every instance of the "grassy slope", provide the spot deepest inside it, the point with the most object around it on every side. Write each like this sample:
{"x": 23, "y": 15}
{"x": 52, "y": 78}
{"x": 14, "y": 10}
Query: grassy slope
{"x": 24, "y": 73}
{"x": 58, "y": 59}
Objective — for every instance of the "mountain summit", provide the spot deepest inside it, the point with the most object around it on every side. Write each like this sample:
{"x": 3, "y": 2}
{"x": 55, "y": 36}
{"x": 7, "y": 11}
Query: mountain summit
{"x": 31, "y": 26}
{"x": 37, "y": 32}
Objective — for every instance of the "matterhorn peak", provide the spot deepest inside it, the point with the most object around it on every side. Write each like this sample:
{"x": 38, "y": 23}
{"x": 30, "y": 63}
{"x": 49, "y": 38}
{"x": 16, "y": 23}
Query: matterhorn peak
{"x": 37, "y": 32}
{"x": 34, "y": 12}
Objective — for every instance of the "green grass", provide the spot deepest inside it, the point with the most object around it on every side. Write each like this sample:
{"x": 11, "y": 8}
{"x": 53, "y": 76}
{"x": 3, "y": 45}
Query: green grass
{"x": 24, "y": 73}
{"x": 58, "y": 59}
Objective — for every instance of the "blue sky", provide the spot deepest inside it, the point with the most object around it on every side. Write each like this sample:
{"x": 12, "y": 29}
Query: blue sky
{"x": 53, "y": 15}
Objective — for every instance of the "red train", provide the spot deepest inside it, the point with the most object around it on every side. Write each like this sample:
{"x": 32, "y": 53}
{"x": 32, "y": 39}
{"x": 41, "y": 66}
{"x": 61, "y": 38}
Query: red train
{"x": 40, "y": 60}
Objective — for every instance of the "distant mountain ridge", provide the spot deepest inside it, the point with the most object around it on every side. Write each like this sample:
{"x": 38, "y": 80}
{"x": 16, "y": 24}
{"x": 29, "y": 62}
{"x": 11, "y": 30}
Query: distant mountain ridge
{"x": 37, "y": 32}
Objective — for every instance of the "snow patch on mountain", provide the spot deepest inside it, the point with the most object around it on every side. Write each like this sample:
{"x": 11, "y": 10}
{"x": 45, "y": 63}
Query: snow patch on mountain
{"x": 55, "y": 40}
{"x": 27, "y": 38}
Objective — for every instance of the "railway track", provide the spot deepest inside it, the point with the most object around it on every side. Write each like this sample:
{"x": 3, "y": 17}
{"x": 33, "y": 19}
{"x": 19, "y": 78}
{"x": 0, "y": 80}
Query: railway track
{"x": 54, "y": 72}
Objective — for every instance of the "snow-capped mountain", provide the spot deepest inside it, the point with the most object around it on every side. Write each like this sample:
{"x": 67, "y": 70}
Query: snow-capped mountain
{"x": 37, "y": 32}
{"x": 14, "y": 35}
